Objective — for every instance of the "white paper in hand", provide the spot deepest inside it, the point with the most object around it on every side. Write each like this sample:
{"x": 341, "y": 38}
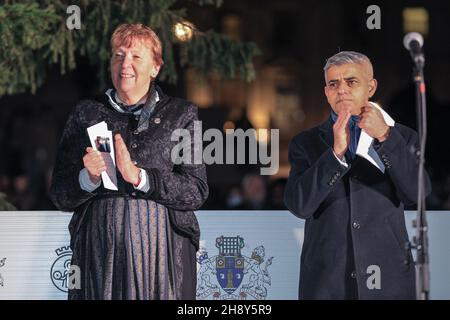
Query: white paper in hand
{"x": 101, "y": 140}
{"x": 365, "y": 148}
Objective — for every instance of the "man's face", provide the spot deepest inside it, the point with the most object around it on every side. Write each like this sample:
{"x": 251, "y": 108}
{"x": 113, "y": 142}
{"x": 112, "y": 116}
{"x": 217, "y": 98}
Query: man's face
{"x": 132, "y": 69}
{"x": 349, "y": 87}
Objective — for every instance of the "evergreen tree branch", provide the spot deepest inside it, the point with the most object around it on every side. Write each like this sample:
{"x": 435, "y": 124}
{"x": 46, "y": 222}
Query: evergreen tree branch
{"x": 34, "y": 36}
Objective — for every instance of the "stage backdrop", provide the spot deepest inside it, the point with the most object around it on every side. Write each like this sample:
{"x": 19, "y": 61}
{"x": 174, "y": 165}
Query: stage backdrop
{"x": 243, "y": 254}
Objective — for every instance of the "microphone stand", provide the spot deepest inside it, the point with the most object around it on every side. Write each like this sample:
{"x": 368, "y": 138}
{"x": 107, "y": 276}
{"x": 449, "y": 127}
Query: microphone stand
{"x": 421, "y": 238}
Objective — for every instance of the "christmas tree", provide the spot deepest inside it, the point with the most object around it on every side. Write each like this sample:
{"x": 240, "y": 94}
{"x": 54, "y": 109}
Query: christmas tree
{"x": 37, "y": 35}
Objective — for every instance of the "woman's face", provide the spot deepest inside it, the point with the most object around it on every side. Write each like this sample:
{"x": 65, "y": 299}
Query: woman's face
{"x": 132, "y": 69}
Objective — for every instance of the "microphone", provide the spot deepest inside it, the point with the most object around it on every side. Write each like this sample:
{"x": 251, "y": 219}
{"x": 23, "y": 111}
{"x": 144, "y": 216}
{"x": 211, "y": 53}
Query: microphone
{"x": 413, "y": 42}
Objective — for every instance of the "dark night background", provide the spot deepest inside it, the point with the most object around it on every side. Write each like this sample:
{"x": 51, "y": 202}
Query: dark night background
{"x": 295, "y": 38}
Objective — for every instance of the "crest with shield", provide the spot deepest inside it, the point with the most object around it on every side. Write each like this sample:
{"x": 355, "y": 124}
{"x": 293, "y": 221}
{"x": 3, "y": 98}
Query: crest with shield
{"x": 230, "y": 263}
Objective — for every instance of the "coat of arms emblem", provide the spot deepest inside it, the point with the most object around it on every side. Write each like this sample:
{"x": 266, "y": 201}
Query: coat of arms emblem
{"x": 60, "y": 270}
{"x": 231, "y": 274}
{"x": 2, "y": 263}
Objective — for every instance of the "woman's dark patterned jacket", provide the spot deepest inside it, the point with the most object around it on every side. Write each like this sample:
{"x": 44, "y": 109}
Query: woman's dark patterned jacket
{"x": 181, "y": 188}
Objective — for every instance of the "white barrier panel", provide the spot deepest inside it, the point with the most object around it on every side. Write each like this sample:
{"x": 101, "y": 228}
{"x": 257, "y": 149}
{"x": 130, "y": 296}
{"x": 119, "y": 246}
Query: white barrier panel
{"x": 243, "y": 254}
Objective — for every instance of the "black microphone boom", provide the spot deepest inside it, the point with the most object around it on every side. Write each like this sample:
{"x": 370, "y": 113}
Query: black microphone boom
{"x": 413, "y": 42}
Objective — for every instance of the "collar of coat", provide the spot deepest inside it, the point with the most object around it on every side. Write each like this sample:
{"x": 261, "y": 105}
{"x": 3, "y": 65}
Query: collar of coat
{"x": 122, "y": 107}
{"x": 154, "y": 98}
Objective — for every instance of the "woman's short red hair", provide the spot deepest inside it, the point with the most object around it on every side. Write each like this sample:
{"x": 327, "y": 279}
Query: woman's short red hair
{"x": 127, "y": 32}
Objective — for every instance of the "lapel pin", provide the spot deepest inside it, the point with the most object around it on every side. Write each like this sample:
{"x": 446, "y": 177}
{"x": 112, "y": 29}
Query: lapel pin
{"x": 157, "y": 120}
